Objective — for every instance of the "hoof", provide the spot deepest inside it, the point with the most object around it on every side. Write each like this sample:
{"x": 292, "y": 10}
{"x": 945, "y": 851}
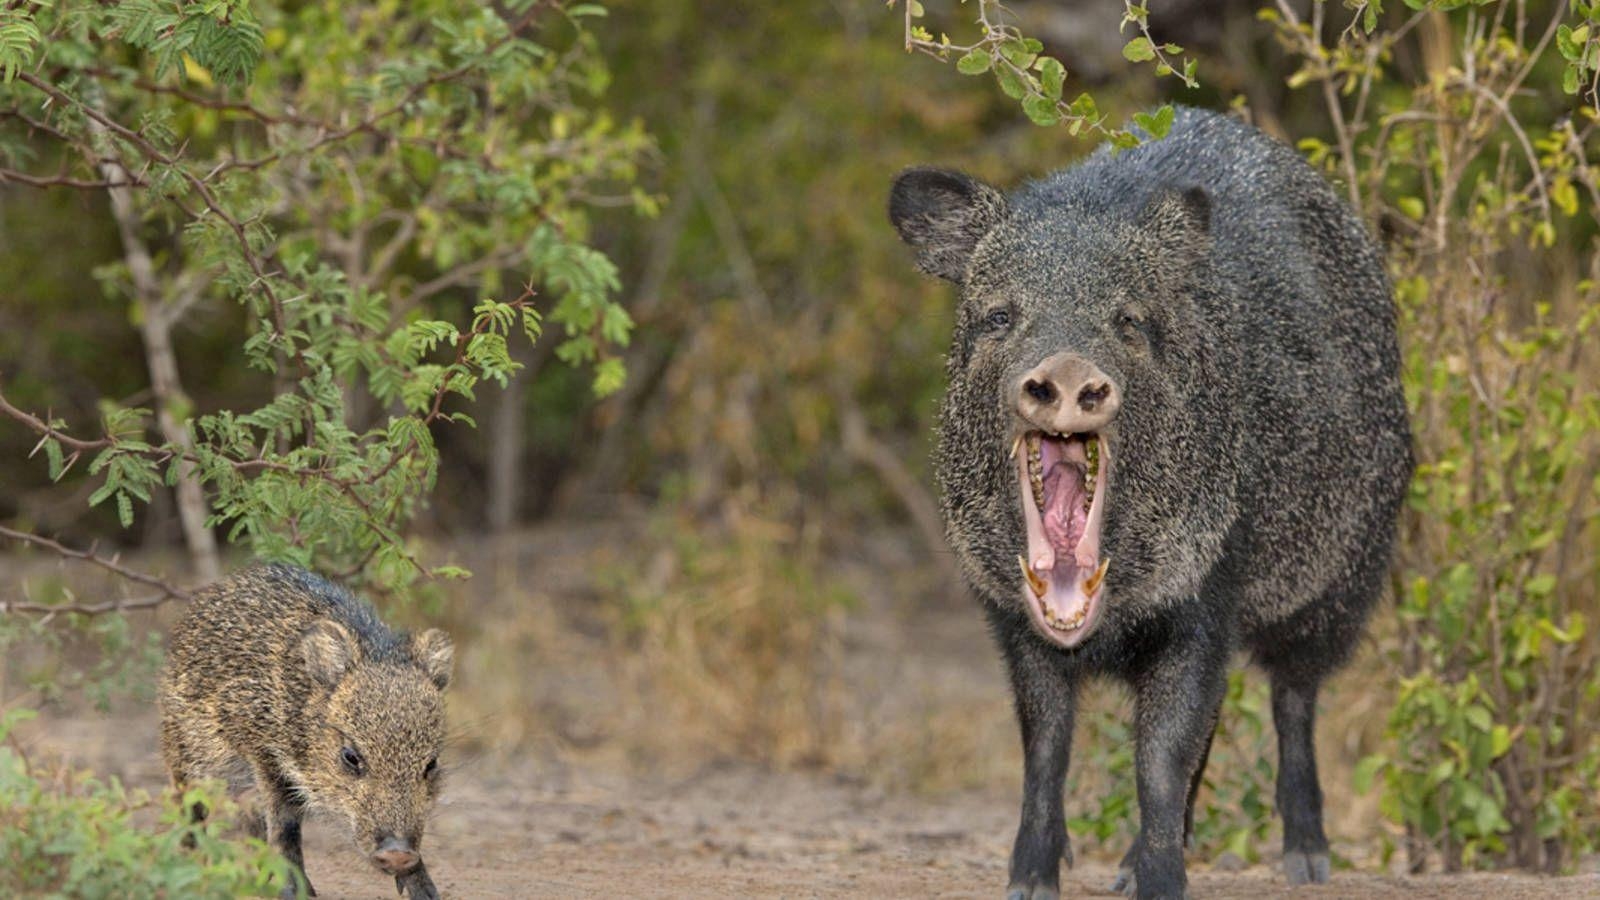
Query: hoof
{"x": 1032, "y": 892}
{"x": 1127, "y": 884}
{"x": 416, "y": 885}
{"x": 1306, "y": 868}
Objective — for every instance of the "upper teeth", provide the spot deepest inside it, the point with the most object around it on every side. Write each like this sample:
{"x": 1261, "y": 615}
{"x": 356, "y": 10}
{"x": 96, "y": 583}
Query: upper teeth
{"x": 1036, "y": 468}
{"x": 1091, "y": 443}
{"x": 1092, "y": 451}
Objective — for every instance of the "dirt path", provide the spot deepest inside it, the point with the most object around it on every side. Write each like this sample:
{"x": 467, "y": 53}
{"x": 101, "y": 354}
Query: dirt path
{"x": 927, "y": 706}
{"x": 567, "y": 830}
{"x": 742, "y": 833}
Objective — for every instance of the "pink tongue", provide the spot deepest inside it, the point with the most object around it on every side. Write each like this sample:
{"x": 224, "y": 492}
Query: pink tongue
{"x": 1064, "y": 518}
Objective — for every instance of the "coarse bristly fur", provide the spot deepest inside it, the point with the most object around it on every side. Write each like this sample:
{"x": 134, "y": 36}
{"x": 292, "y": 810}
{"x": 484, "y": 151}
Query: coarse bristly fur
{"x": 290, "y": 680}
{"x": 1261, "y": 451}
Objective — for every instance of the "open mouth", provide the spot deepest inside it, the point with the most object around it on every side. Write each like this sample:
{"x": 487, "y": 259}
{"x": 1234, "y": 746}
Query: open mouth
{"x": 1062, "y": 479}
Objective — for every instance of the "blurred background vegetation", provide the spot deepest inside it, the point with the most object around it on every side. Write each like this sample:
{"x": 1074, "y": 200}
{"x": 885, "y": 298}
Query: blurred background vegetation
{"x": 734, "y": 552}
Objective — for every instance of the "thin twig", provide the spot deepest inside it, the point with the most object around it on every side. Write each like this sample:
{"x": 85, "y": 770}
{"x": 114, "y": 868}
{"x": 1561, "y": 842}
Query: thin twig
{"x": 166, "y": 591}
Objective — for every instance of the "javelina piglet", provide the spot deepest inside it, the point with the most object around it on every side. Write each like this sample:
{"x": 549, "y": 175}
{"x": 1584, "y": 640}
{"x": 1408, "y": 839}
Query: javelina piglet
{"x": 279, "y": 676}
{"x": 1174, "y": 429}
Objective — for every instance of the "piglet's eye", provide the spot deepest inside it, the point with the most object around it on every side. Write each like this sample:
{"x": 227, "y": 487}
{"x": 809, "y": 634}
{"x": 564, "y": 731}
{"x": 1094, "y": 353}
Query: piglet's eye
{"x": 431, "y": 769}
{"x": 352, "y": 761}
{"x": 998, "y": 320}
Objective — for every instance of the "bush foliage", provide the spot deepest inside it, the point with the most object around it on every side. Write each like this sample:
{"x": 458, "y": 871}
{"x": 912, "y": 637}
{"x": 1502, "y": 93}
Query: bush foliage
{"x": 72, "y": 835}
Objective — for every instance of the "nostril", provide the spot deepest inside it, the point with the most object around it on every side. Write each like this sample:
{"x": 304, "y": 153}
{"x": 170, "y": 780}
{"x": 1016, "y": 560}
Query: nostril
{"x": 1042, "y": 391}
{"x": 1093, "y": 395}
{"x": 395, "y": 860}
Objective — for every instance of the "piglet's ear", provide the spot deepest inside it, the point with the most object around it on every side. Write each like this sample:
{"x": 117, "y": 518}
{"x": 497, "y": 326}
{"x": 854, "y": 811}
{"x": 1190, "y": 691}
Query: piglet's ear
{"x": 1179, "y": 221}
{"x": 434, "y": 651}
{"x": 942, "y": 215}
{"x": 329, "y": 651}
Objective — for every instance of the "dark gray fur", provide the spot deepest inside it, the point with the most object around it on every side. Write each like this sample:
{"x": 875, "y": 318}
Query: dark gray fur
{"x": 273, "y": 673}
{"x": 1261, "y": 453}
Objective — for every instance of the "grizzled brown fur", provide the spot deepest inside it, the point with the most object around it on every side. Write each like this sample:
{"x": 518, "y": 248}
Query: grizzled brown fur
{"x": 278, "y": 676}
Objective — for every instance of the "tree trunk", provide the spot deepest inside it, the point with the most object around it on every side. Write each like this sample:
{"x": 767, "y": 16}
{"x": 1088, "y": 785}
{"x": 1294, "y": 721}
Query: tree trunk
{"x": 505, "y": 433}
{"x": 156, "y": 317}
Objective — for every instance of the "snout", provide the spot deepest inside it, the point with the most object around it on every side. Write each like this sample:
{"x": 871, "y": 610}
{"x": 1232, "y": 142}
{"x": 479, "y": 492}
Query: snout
{"x": 1067, "y": 394}
{"x": 395, "y": 856}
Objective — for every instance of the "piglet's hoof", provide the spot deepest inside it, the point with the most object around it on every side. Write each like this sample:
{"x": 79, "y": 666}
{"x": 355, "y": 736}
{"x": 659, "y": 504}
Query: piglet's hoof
{"x": 416, "y": 885}
{"x": 1305, "y": 868}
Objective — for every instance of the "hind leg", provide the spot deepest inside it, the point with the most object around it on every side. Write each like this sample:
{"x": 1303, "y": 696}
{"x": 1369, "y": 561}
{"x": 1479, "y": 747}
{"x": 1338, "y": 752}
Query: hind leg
{"x": 1305, "y": 846}
{"x": 1298, "y": 655}
{"x": 182, "y": 768}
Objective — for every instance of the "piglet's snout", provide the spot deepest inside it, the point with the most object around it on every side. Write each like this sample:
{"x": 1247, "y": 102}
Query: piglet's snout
{"x": 395, "y": 856}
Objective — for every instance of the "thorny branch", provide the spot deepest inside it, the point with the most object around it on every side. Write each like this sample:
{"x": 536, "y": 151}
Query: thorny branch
{"x": 165, "y": 591}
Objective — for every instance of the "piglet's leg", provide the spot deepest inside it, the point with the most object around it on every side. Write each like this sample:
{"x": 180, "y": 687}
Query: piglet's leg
{"x": 284, "y": 815}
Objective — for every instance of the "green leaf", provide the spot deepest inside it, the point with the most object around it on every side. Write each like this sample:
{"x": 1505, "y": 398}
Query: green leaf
{"x": 1010, "y": 82}
{"x": 1052, "y": 75}
{"x": 1539, "y": 585}
{"x": 1499, "y": 741}
{"x": 1366, "y": 771}
{"x": 1017, "y": 53}
{"x": 1478, "y": 717}
{"x": 1041, "y": 110}
{"x": 1567, "y": 42}
{"x": 976, "y": 62}
{"x": 1156, "y": 124}
{"x": 1139, "y": 50}
{"x": 609, "y": 376}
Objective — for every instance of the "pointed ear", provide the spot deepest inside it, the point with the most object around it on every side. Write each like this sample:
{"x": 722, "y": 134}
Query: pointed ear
{"x": 943, "y": 214}
{"x": 434, "y": 651}
{"x": 1179, "y": 221}
{"x": 329, "y": 651}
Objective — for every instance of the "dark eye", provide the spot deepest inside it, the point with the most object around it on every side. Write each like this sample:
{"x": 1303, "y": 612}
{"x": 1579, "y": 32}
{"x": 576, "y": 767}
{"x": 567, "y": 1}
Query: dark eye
{"x": 1129, "y": 322}
{"x": 997, "y": 320}
{"x": 352, "y": 762}
{"x": 431, "y": 769}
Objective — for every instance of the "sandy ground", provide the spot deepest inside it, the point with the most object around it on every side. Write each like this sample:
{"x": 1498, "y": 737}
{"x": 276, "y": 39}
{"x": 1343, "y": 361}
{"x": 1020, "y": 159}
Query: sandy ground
{"x": 733, "y": 830}
{"x": 604, "y": 814}
{"x": 804, "y": 837}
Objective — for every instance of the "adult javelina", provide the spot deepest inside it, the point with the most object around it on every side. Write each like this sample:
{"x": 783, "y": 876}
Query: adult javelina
{"x": 279, "y": 675}
{"x": 1174, "y": 428}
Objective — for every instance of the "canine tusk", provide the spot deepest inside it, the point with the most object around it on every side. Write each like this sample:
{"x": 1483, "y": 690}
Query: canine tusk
{"x": 1035, "y": 583}
{"x": 1091, "y": 586}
